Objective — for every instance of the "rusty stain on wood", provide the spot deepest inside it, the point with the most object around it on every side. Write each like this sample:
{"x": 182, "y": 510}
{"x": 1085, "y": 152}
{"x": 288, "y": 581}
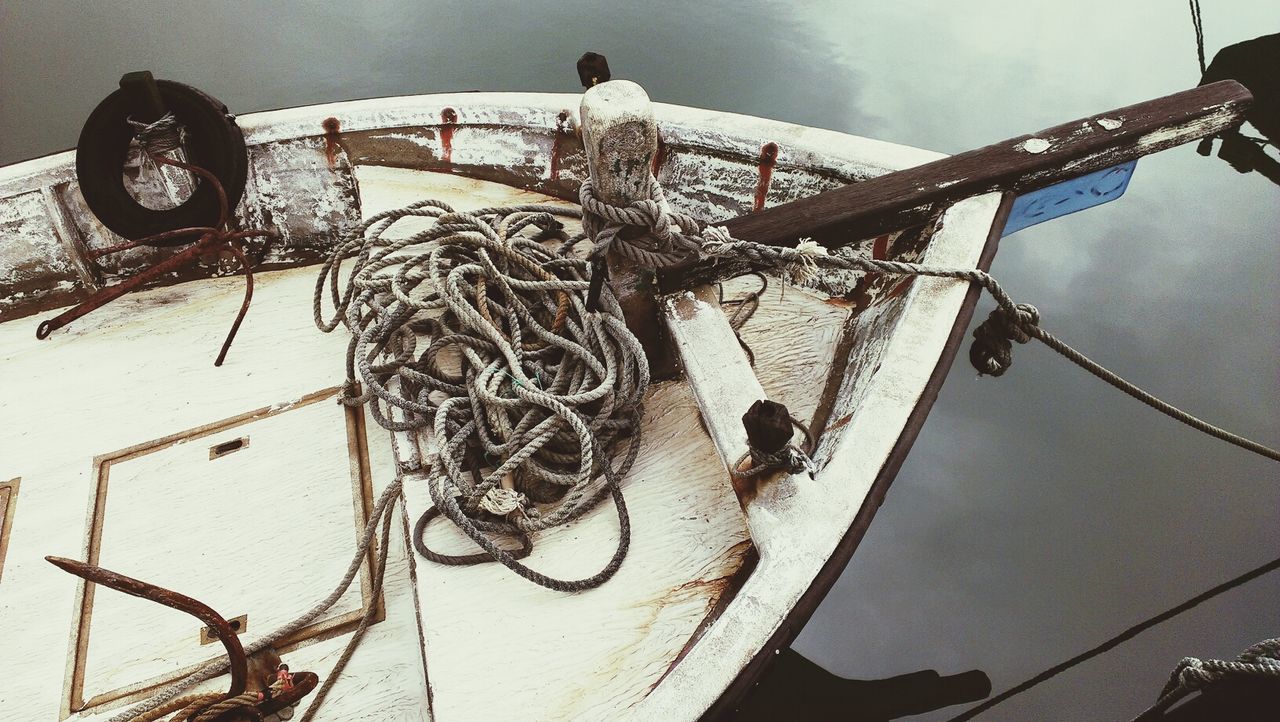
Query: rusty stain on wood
{"x": 564, "y": 130}
{"x": 659, "y": 156}
{"x": 332, "y": 134}
{"x": 448, "y": 119}
{"x": 768, "y": 159}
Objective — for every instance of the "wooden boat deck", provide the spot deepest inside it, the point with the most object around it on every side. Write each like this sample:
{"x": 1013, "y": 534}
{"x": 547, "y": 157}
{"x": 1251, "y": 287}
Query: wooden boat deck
{"x": 101, "y": 438}
{"x": 77, "y": 404}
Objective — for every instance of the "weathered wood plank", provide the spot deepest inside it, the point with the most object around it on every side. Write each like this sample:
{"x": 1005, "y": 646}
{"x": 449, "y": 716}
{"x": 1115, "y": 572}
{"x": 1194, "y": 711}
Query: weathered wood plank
{"x": 1020, "y": 164}
{"x": 715, "y": 367}
{"x": 775, "y": 600}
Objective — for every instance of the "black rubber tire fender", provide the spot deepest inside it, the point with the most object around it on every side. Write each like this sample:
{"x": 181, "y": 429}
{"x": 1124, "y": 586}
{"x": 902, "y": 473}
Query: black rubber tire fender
{"x": 213, "y": 142}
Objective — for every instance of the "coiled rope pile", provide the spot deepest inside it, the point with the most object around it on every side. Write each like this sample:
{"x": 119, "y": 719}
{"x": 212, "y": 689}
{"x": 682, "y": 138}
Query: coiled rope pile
{"x": 483, "y": 329}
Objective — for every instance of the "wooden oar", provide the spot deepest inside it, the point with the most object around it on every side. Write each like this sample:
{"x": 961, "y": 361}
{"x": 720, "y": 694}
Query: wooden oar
{"x": 1021, "y": 165}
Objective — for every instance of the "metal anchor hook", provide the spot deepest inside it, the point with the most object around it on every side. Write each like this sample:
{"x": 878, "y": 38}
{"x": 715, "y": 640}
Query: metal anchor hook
{"x": 301, "y": 683}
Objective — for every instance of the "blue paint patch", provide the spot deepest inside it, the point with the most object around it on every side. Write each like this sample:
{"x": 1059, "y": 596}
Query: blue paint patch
{"x": 1069, "y": 196}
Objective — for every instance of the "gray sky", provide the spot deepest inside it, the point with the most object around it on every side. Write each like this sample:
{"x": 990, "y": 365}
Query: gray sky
{"x": 1039, "y": 513}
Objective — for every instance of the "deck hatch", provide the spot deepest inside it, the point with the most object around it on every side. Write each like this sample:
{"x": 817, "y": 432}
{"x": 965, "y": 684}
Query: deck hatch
{"x": 198, "y": 510}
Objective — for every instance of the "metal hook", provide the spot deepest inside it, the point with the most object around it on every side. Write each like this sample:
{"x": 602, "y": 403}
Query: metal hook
{"x": 173, "y": 600}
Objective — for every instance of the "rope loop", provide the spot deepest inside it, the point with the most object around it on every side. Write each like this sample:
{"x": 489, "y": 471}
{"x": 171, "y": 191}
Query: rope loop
{"x": 790, "y": 458}
{"x": 668, "y": 237}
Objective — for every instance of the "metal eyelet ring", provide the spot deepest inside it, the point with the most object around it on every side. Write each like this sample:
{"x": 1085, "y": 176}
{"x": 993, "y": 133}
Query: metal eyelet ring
{"x": 213, "y": 142}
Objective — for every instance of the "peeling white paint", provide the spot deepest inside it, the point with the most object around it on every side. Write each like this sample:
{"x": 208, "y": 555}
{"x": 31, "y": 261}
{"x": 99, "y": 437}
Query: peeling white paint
{"x": 1110, "y": 123}
{"x": 1034, "y": 145}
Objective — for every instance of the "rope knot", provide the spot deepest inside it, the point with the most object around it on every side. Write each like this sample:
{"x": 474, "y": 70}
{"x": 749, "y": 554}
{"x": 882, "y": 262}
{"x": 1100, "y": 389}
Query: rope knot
{"x": 992, "y": 349}
{"x": 501, "y": 502}
{"x": 803, "y": 261}
{"x": 789, "y": 459}
{"x": 1192, "y": 674}
{"x": 668, "y": 237}
{"x": 162, "y": 136}
{"x": 716, "y": 242}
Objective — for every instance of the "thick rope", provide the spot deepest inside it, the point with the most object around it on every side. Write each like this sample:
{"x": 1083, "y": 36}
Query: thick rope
{"x": 671, "y": 237}
{"x": 1117, "y": 640}
{"x": 485, "y": 331}
{"x": 1192, "y": 675}
{"x": 213, "y": 711}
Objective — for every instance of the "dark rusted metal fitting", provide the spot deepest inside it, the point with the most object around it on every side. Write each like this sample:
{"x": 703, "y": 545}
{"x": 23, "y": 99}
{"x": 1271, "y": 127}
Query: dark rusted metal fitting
{"x": 768, "y": 425}
{"x": 171, "y": 599}
{"x": 303, "y": 682}
{"x": 593, "y": 69}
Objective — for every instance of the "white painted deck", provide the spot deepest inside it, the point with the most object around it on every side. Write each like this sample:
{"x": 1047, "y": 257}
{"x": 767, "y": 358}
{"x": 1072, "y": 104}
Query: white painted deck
{"x": 266, "y": 529}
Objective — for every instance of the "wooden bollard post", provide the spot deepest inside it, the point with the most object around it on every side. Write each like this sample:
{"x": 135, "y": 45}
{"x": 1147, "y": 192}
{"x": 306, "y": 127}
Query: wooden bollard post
{"x": 620, "y": 137}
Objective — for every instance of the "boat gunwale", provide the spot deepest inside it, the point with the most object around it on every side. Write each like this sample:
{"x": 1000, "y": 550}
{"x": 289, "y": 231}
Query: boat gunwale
{"x": 814, "y": 151}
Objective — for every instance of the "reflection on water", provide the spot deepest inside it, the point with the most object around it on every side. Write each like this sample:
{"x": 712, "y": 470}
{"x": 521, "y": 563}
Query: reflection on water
{"x": 1038, "y": 514}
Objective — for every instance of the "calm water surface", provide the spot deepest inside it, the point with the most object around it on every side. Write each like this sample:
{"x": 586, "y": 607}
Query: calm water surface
{"x": 1039, "y": 513}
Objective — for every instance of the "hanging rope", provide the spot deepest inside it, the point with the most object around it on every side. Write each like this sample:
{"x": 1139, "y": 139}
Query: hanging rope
{"x": 540, "y": 393}
{"x": 1198, "y": 25}
{"x": 1117, "y": 640}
